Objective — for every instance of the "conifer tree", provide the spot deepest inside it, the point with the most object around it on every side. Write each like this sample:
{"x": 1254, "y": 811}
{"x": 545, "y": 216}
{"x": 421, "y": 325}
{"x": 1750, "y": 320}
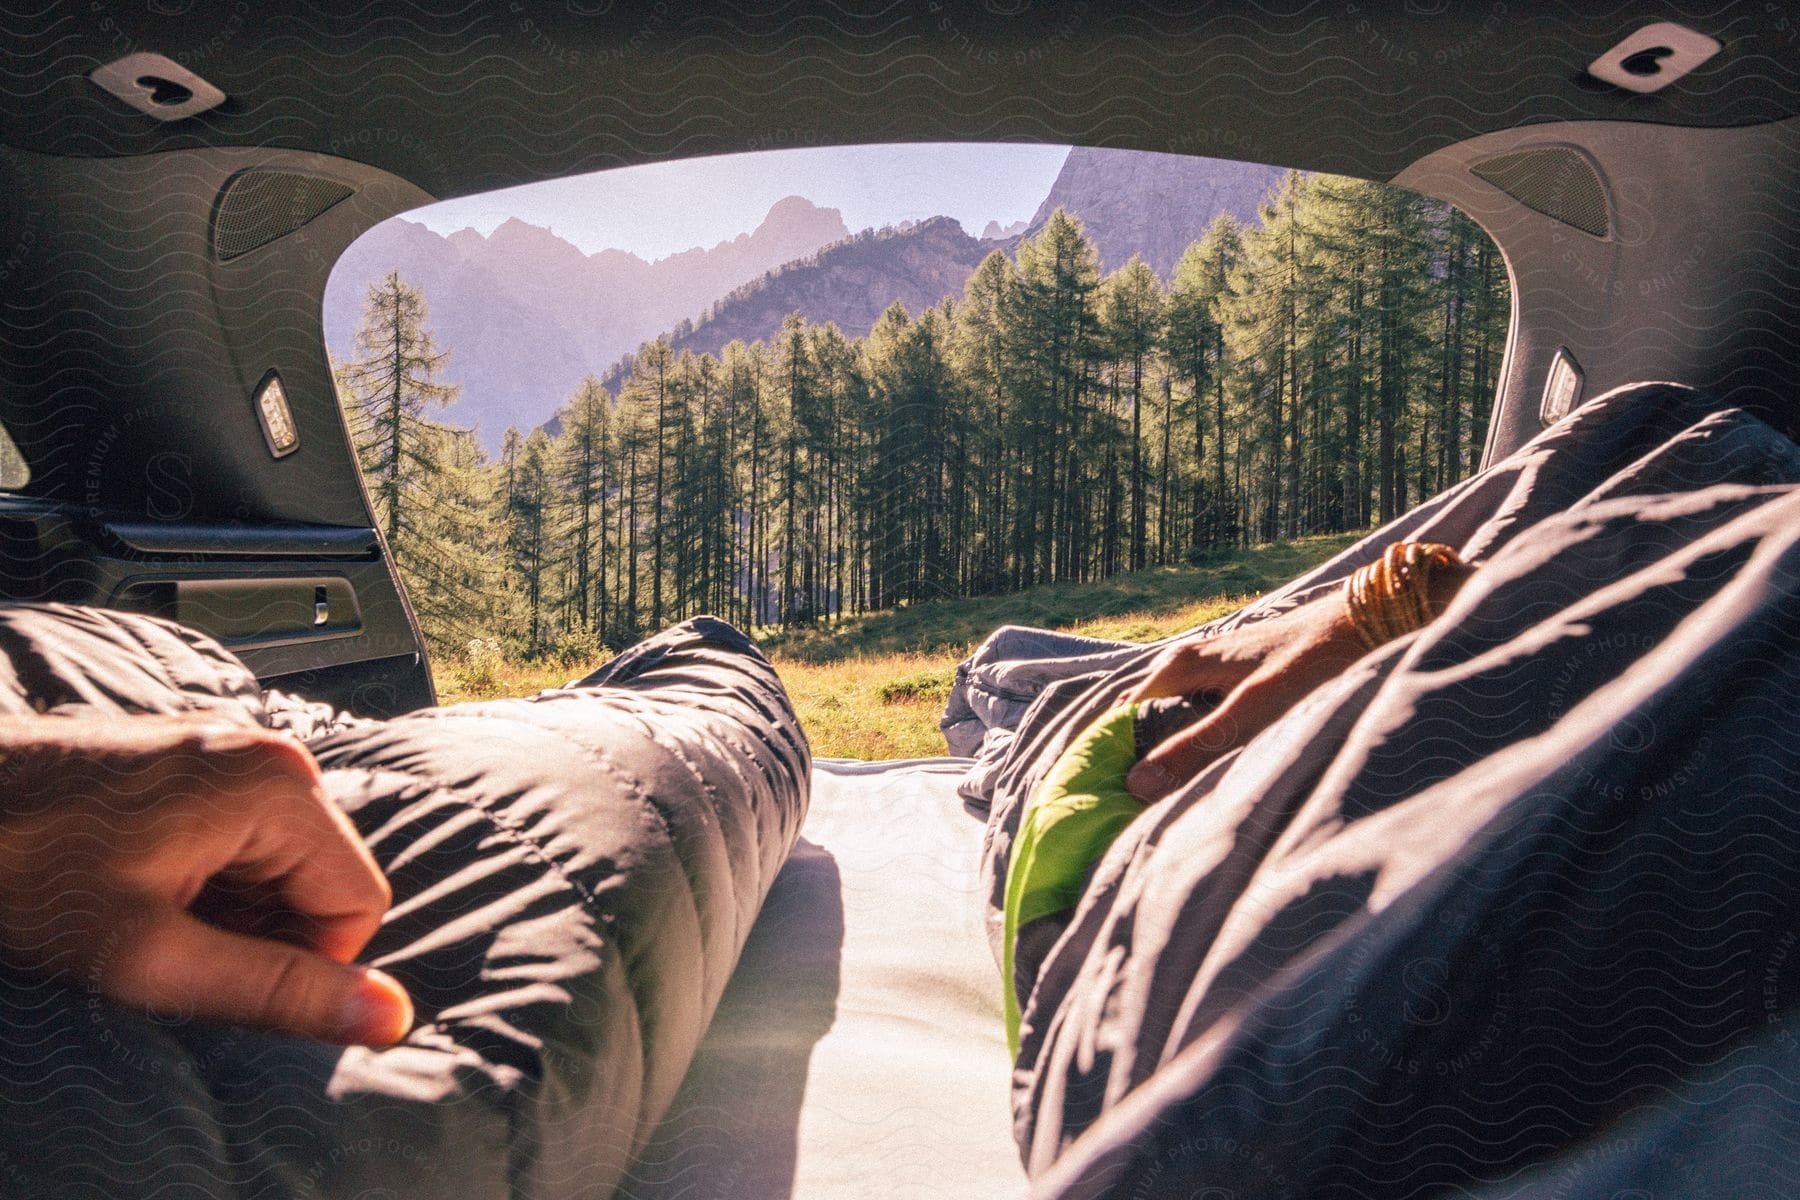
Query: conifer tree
{"x": 1198, "y": 300}
{"x": 985, "y": 373}
{"x": 388, "y": 390}
{"x": 529, "y": 532}
{"x": 654, "y": 363}
{"x": 1133, "y": 322}
{"x": 585, "y": 480}
{"x": 420, "y": 473}
{"x": 1052, "y": 337}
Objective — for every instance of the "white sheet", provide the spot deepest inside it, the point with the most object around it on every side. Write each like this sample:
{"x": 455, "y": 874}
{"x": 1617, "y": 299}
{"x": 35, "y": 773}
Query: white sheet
{"x": 858, "y": 1052}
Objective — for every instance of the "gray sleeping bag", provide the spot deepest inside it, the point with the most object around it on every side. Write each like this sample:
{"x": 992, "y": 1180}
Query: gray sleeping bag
{"x": 1509, "y": 909}
{"x": 574, "y": 876}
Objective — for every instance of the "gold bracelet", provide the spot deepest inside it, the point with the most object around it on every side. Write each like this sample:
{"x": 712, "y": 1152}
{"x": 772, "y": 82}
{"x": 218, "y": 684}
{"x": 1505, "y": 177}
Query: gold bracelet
{"x": 1392, "y": 595}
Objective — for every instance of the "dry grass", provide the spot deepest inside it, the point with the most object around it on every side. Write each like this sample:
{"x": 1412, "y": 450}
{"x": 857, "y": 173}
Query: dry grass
{"x": 871, "y": 708}
{"x": 458, "y": 680}
{"x": 873, "y": 687}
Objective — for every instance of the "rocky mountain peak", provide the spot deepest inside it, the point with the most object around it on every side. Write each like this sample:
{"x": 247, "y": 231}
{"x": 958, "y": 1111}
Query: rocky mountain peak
{"x": 797, "y": 211}
{"x": 1132, "y": 202}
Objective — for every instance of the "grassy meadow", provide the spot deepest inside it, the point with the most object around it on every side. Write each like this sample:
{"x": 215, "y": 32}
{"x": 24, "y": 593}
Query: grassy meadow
{"x": 872, "y": 687}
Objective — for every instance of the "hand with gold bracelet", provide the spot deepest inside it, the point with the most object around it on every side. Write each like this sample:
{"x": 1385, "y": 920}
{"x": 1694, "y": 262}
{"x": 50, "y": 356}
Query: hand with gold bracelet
{"x": 1257, "y": 672}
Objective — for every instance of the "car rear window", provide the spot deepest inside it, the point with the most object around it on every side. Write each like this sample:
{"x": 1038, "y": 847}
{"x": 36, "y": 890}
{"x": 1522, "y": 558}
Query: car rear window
{"x": 898, "y": 376}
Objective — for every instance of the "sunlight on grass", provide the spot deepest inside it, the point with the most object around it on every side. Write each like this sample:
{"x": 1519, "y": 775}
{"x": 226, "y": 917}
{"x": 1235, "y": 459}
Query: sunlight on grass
{"x": 878, "y": 707}
{"x": 874, "y": 687}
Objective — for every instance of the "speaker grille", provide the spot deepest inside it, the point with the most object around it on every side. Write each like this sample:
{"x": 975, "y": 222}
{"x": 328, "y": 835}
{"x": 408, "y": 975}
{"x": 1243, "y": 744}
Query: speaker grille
{"x": 1556, "y": 182}
{"x": 259, "y": 206}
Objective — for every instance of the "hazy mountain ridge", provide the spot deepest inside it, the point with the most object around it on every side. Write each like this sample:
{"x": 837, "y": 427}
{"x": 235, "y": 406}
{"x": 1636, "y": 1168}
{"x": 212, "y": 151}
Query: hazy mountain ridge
{"x": 526, "y": 314}
{"x": 850, "y": 283}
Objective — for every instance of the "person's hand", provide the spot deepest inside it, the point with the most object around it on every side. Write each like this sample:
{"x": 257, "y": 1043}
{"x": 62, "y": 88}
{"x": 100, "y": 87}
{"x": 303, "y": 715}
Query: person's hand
{"x": 1254, "y": 673}
{"x": 192, "y": 869}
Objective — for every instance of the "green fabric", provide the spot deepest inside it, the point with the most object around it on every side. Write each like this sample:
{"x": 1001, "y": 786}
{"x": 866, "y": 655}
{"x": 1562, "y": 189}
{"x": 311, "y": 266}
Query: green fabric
{"x": 1071, "y": 817}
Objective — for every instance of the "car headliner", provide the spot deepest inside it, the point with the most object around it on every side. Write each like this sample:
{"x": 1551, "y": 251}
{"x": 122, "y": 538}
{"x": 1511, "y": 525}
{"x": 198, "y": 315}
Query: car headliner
{"x": 461, "y": 98}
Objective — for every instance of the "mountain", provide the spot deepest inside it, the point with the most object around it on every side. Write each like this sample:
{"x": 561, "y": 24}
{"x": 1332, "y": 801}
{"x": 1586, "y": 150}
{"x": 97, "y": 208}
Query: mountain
{"x": 851, "y": 283}
{"x": 526, "y": 313}
{"x": 1131, "y": 202}
{"x": 1134, "y": 202}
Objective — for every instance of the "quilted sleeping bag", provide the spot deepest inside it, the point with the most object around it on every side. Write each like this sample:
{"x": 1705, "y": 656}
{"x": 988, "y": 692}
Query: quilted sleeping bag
{"x": 574, "y": 876}
{"x": 1509, "y": 909}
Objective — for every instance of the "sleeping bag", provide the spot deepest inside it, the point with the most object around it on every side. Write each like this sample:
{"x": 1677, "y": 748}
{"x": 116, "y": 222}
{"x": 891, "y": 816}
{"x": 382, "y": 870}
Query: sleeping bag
{"x": 1508, "y": 908}
{"x": 574, "y": 876}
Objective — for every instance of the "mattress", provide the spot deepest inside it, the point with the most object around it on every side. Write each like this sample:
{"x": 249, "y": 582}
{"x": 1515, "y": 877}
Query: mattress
{"x": 858, "y": 1052}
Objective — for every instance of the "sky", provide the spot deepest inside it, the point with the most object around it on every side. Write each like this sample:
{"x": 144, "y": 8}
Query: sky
{"x": 657, "y": 210}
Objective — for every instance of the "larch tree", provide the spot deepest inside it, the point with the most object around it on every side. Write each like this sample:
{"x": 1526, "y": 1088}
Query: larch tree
{"x": 585, "y": 457}
{"x": 417, "y": 471}
{"x": 1133, "y": 323}
{"x": 1053, "y": 339}
{"x": 389, "y": 388}
{"x": 1198, "y": 299}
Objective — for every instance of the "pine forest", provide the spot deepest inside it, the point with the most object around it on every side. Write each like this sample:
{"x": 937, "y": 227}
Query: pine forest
{"x": 1316, "y": 372}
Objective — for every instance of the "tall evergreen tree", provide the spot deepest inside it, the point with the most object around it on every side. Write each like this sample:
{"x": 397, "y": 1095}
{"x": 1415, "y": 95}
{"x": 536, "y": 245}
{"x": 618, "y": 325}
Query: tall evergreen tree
{"x": 389, "y": 389}
{"x": 1133, "y": 323}
{"x": 984, "y": 369}
{"x": 584, "y": 471}
{"x": 1052, "y": 337}
{"x": 1198, "y": 301}
{"x": 529, "y": 540}
{"x": 419, "y": 472}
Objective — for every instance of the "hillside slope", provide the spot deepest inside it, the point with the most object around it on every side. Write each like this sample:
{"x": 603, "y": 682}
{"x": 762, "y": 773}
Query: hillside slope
{"x": 875, "y": 686}
{"x": 851, "y": 283}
